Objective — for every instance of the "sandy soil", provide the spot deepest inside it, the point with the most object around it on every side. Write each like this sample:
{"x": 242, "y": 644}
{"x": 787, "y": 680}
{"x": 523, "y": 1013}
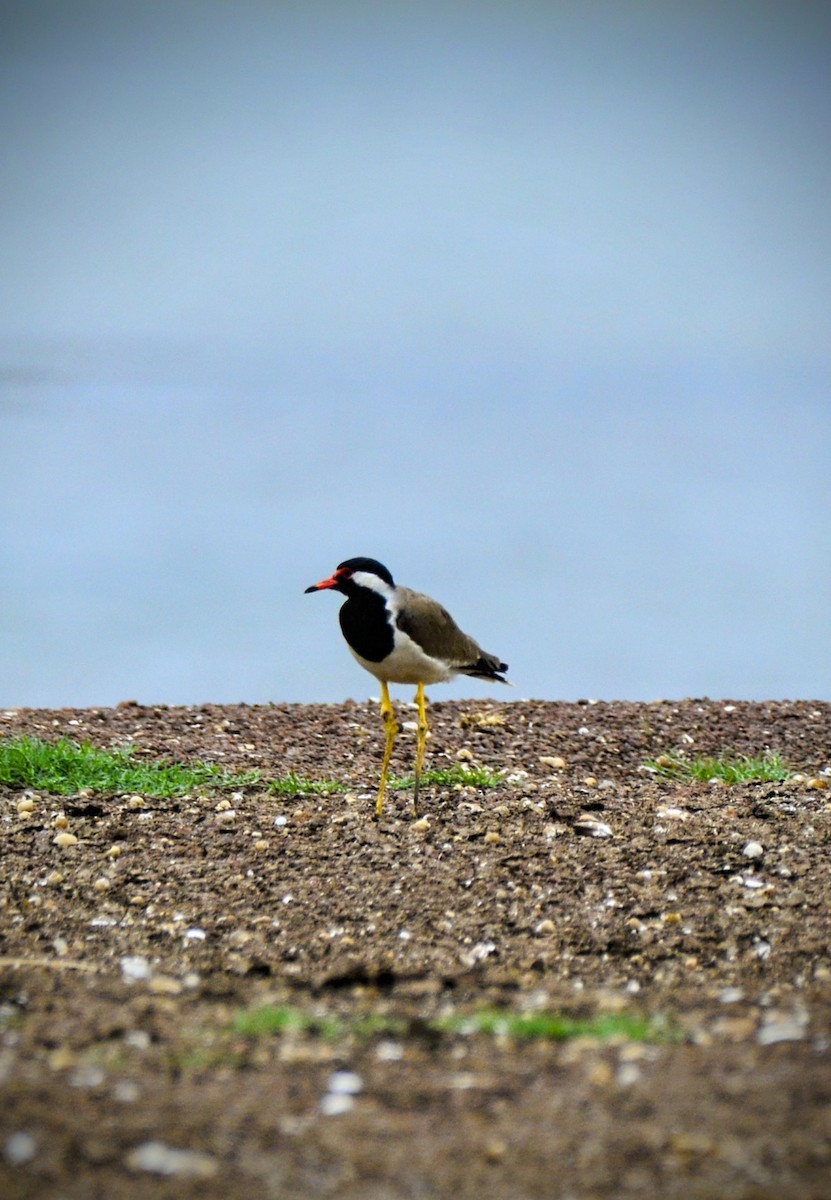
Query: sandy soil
{"x": 581, "y": 884}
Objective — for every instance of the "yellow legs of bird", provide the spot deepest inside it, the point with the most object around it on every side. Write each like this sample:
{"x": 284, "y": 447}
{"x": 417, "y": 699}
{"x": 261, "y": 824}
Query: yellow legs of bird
{"x": 391, "y": 726}
{"x": 421, "y": 742}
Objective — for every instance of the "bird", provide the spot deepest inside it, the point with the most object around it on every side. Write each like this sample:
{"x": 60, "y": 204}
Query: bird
{"x": 403, "y": 636}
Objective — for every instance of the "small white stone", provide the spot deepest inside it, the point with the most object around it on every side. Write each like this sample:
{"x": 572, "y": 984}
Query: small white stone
{"x": 159, "y": 1159}
{"x": 19, "y": 1148}
{"x": 138, "y": 1039}
{"x": 731, "y": 995}
{"x": 753, "y": 850}
{"x": 782, "y": 1029}
{"x": 195, "y": 934}
{"x": 135, "y": 967}
{"x": 345, "y": 1083}
{"x": 334, "y": 1105}
{"x": 627, "y": 1074}
{"x": 87, "y": 1077}
{"x": 589, "y": 824}
{"x": 389, "y": 1051}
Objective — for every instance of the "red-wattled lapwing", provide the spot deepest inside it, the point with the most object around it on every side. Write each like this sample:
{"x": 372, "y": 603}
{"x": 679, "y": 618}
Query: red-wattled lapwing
{"x": 402, "y": 636}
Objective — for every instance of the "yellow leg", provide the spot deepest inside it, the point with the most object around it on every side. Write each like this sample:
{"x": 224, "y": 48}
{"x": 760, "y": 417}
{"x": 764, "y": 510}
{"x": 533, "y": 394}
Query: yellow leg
{"x": 391, "y": 726}
{"x": 421, "y": 742}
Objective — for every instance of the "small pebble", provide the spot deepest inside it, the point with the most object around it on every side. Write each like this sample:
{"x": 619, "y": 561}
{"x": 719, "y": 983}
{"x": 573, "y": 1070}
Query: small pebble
{"x": 19, "y": 1148}
{"x": 114, "y": 852}
{"x": 65, "y": 840}
{"x": 134, "y": 967}
{"x": 345, "y": 1083}
{"x": 554, "y": 761}
{"x": 159, "y": 1159}
{"x": 54, "y": 878}
{"x": 102, "y": 884}
{"x": 627, "y": 1074}
{"x": 26, "y": 805}
{"x": 492, "y": 837}
{"x": 731, "y": 995}
{"x": 389, "y": 1051}
{"x": 421, "y": 825}
{"x": 60, "y": 821}
{"x": 335, "y": 1105}
{"x": 545, "y": 927}
{"x": 586, "y": 823}
{"x": 495, "y": 1150}
{"x": 753, "y": 850}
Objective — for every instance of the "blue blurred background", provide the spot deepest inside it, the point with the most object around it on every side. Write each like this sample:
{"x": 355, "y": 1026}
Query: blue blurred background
{"x": 530, "y": 301}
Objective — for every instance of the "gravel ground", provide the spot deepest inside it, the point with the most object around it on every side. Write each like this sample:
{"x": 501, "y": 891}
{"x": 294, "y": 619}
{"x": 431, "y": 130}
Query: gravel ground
{"x": 580, "y": 884}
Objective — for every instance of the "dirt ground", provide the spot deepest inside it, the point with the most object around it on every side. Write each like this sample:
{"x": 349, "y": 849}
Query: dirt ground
{"x": 582, "y": 884}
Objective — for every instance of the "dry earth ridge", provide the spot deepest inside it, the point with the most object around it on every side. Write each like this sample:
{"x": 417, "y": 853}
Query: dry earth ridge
{"x": 127, "y": 956}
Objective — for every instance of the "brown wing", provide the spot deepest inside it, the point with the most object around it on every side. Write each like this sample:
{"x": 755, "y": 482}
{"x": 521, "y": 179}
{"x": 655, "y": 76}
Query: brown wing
{"x": 431, "y": 625}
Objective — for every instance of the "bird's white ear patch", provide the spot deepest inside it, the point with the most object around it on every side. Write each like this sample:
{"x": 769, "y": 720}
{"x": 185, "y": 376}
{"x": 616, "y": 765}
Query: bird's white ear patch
{"x": 375, "y": 583}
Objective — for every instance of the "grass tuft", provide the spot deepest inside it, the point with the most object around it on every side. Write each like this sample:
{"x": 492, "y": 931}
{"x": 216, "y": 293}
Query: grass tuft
{"x": 548, "y": 1026}
{"x": 767, "y": 767}
{"x": 459, "y": 773}
{"x": 65, "y": 767}
{"x": 300, "y": 785}
{"x": 270, "y": 1020}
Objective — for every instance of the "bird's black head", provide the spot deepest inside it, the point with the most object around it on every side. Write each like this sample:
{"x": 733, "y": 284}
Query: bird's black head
{"x": 367, "y": 564}
{"x": 341, "y": 581}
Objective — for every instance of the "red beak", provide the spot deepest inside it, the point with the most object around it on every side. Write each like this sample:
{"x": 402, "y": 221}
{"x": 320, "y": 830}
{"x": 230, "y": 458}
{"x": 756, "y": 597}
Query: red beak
{"x": 324, "y": 583}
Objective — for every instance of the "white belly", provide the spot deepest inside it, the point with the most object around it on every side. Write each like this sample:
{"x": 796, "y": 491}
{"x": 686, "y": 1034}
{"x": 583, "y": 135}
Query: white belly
{"x": 407, "y": 664}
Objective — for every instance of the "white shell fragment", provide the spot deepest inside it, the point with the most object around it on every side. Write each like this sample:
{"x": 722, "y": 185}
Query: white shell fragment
{"x": 159, "y": 1159}
{"x": 344, "y": 1086}
{"x": 134, "y": 967}
{"x": 586, "y": 823}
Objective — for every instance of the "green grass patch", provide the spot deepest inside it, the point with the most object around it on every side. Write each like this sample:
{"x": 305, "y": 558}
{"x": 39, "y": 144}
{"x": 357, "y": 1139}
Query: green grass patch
{"x": 272, "y": 1020}
{"x": 65, "y": 767}
{"x": 767, "y": 767}
{"x": 459, "y": 773}
{"x": 300, "y": 785}
{"x": 555, "y": 1027}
